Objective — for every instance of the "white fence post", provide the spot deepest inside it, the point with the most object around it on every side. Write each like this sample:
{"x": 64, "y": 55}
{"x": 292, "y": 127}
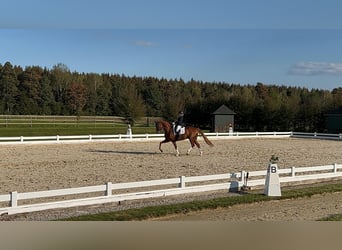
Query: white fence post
{"x": 90, "y": 137}
{"x": 182, "y": 181}
{"x": 243, "y": 181}
{"x": 14, "y": 199}
{"x": 293, "y": 171}
{"x": 21, "y": 138}
{"x": 108, "y": 189}
{"x": 243, "y": 174}
{"x": 335, "y": 167}
{"x": 57, "y": 138}
{"x": 129, "y": 131}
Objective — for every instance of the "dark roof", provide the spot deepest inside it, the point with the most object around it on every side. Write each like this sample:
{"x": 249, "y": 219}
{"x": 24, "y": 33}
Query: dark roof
{"x": 337, "y": 111}
{"x": 223, "y": 110}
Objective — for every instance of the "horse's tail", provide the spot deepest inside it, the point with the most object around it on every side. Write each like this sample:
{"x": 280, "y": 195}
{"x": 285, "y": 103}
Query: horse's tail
{"x": 205, "y": 138}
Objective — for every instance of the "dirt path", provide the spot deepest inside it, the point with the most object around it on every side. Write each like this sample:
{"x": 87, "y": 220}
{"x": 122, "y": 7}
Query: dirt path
{"x": 26, "y": 168}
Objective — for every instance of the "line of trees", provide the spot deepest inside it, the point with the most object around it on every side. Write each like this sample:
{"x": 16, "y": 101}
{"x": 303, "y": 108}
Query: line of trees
{"x": 58, "y": 91}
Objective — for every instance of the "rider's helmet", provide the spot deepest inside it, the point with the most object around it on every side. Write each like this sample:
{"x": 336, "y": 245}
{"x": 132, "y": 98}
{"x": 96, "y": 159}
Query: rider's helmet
{"x": 180, "y": 113}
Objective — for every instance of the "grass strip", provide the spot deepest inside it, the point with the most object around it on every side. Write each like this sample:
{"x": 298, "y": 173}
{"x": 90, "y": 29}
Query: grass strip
{"x": 334, "y": 217}
{"x": 72, "y": 130}
{"x": 163, "y": 210}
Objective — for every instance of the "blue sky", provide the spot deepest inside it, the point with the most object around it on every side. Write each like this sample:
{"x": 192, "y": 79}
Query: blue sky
{"x": 292, "y": 43}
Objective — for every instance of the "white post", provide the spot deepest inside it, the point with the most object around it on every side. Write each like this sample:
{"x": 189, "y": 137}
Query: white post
{"x": 90, "y": 137}
{"x": 108, "y": 188}
{"x": 129, "y": 131}
{"x": 21, "y": 138}
{"x": 293, "y": 171}
{"x": 243, "y": 174}
{"x": 335, "y": 167}
{"x": 242, "y": 182}
{"x": 272, "y": 184}
{"x": 182, "y": 182}
{"x": 14, "y": 199}
{"x": 230, "y": 130}
{"x": 57, "y": 138}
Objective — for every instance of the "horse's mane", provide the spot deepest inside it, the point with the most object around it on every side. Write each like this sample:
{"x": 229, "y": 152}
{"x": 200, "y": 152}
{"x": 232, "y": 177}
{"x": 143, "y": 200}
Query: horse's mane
{"x": 165, "y": 122}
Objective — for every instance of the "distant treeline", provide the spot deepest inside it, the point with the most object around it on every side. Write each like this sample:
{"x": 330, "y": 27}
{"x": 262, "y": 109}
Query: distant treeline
{"x": 58, "y": 91}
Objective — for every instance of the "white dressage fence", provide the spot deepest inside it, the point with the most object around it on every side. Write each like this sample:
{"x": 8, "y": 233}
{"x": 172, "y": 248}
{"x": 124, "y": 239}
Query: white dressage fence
{"x": 14, "y": 202}
{"x": 150, "y": 137}
{"x": 127, "y": 137}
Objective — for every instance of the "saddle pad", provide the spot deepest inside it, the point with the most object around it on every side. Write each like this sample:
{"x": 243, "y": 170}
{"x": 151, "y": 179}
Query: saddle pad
{"x": 181, "y": 131}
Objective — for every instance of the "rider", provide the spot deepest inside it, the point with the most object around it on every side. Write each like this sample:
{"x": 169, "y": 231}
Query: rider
{"x": 179, "y": 123}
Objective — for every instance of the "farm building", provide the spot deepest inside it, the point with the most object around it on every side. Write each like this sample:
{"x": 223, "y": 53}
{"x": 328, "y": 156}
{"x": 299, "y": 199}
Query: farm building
{"x": 222, "y": 119}
{"x": 333, "y": 121}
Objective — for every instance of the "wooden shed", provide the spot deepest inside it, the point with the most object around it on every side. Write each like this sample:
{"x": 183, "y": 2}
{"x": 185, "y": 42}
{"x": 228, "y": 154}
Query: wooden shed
{"x": 222, "y": 119}
{"x": 333, "y": 121}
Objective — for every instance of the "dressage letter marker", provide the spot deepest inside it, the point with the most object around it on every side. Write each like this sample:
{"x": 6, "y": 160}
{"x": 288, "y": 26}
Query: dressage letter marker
{"x": 272, "y": 184}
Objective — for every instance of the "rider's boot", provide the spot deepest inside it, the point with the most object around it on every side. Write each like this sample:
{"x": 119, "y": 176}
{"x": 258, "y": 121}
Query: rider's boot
{"x": 177, "y": 136}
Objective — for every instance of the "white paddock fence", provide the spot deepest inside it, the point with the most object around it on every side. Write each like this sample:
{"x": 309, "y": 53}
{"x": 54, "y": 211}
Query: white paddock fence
{"x": 150, "y": 137}
{"x": 14, "y": 202}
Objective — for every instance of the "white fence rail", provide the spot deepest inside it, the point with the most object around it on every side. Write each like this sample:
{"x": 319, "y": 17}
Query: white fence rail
{"x": 149, "y": 137}
{"x": 116, "y": 192}
{"x": 317, "y": 136}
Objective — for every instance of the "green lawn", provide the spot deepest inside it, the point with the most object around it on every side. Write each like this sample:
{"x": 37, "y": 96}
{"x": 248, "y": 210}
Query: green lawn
{"x": 70, "y": 125}
{"x": 45, "y": 130}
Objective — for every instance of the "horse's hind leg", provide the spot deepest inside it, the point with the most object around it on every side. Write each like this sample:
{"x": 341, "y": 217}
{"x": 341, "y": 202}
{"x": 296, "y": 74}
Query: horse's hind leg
{"x": 199, "y": 147}
{"x": 193, "y": 143}
{"x": 192, "y": 146}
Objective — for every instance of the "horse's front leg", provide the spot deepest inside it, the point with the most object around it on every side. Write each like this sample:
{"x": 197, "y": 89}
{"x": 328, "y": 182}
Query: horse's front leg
{"x": 161, "y": 144}
{"x": 176, "y": 148}
{"x": 160, "y": 147}
{"x": 165, "y": 141}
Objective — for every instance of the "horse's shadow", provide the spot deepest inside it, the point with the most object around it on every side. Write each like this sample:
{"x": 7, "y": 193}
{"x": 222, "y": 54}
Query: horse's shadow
{"x": 122, "y": 152}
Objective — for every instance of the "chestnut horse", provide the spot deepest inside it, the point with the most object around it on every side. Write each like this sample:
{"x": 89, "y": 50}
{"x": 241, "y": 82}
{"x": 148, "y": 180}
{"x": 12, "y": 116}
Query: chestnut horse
{"x": 191, "y": 133}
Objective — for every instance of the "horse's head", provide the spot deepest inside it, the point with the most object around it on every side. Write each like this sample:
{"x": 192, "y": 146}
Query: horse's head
{"x": 159, "y": 126}
{"x": 162, "y": 125}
